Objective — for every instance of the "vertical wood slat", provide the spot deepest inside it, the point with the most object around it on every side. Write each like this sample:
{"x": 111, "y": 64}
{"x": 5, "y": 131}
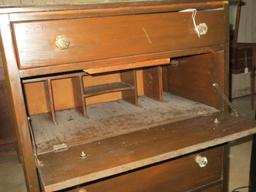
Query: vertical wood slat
{"x": 153, "y": 82}
{"x": 18, "y": 104}
{"x": 165, "y": 78}
{"x": 50, "y": 100}
{"x": 78, "y": 91}
{"x": 129, "y": 77}
{"x": 226, "y": 70}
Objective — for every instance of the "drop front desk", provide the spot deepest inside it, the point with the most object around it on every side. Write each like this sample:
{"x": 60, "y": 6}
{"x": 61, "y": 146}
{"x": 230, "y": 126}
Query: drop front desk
{"x": 128, "y": 97}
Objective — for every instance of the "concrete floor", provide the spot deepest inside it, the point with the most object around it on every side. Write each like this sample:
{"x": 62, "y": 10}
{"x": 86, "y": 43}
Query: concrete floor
{"x": 240, "y": 151}
{"x": 11, "y": 174}
{"x": 12, "y": 179}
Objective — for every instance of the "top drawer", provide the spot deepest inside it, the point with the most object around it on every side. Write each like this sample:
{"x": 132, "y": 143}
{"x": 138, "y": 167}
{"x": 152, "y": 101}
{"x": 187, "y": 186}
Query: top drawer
{"x": 56, "y": 42}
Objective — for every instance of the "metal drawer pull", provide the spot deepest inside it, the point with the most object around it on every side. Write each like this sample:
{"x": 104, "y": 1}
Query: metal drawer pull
{"x": 201, "y": 161}
{"x": 62, "y": 42}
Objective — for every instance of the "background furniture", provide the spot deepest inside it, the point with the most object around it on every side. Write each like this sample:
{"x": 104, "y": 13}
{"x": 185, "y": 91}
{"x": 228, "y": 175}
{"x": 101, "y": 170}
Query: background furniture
{"x": 242, "y": 53}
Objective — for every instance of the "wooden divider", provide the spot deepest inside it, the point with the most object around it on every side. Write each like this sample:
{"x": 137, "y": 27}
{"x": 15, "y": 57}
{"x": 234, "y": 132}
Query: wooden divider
{"x": 153, "y": 82}
{"x": 81, "y": 92}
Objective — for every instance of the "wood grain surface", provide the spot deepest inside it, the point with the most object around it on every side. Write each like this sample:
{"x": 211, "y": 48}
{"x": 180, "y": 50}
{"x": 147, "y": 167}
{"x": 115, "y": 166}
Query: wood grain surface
{"x": 175, "y": 175}
{"x": 192, "y": 77}
{"x": 113, "y": 37}
{"x": 134, "y": 150}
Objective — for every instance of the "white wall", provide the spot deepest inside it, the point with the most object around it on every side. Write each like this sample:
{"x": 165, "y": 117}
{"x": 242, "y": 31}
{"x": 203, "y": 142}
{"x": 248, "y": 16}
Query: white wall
{"x": 232, "y": 15}
{"x": 247, "y": 28}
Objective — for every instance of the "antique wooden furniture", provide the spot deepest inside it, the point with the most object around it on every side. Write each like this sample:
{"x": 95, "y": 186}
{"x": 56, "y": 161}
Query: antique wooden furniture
{"x": 121, "y": 97}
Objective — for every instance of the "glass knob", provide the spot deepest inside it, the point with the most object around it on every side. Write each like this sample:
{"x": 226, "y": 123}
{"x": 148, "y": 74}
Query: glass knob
{"x": 62, "y": 42}
{"x": 201, "y": 161}
{"x": 202, "y": 28}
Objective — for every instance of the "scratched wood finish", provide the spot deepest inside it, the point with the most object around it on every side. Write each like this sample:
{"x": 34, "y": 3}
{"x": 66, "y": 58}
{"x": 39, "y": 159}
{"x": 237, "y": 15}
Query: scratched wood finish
{"x": 165, "y": 177}
{"x": 128, "y": 152}
{"x": 110, "y": 37}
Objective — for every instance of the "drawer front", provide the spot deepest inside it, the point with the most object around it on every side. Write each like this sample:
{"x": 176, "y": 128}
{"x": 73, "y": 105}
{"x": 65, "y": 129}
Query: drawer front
{"x": 56, "y": 42}
{"x": 176, "y": 175}
{"x": 215, "y": 188}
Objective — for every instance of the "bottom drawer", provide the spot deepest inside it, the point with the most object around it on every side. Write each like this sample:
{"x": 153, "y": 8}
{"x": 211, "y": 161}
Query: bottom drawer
{"x": 215, "y": 188}
{"x": 177, "y": 175}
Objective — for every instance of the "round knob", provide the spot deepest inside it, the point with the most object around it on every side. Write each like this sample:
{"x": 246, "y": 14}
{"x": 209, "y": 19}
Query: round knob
{"x": 62, "y": 42}
{"x": 202, "y": 28}
{"x": 201, "y": 161}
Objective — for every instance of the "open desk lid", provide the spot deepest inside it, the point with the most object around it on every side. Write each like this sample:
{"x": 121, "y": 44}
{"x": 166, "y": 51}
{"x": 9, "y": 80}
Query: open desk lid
{"x": 60, "y": 170}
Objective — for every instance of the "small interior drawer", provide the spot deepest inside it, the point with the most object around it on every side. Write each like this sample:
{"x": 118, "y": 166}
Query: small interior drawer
{"x": 177, "y": 175}
{"x": 56, "y": 42}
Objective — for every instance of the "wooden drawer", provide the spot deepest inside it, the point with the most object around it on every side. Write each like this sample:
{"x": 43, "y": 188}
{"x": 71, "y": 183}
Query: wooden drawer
{"x": 215, "y": 188}
{"x": 100, "y": 38}
{"x": 177, "y": 176}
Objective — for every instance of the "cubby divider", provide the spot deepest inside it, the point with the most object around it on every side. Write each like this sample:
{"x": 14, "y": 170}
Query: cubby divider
{"x": 77, "y": 84}
{"x": 50, "y": 99}
{"x": 153, "y": 82}
{"x": 127, "y": 86}
{"x": 78, "y": 90}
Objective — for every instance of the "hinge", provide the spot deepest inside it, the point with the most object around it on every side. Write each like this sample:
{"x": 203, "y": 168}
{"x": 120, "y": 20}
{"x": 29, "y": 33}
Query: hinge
{"x": 60, "y": 147}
